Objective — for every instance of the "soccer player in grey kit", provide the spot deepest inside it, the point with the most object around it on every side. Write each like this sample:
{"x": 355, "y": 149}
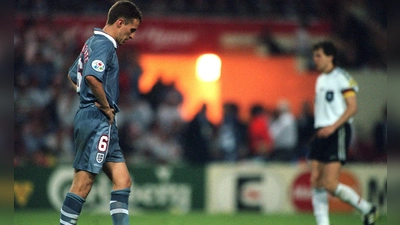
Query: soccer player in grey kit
{"x": 95, "y": 75}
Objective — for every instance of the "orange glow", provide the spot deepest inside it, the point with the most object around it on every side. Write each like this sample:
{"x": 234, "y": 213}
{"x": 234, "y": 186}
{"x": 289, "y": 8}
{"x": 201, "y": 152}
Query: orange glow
{"x": 244, "y": 80}
{"x": 181, "y": 70}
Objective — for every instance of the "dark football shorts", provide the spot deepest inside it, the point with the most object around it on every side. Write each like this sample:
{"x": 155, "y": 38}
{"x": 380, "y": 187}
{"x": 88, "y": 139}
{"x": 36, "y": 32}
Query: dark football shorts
{"x": 332, "y": 149}
{"x": 95, "y": 140}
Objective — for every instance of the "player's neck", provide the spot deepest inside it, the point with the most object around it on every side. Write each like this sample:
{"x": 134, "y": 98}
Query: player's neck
{"x": 329, "y": 69}
{"x": 109, "y": 30}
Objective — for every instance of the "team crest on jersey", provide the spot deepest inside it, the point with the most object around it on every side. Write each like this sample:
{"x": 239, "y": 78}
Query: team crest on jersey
{"x": 99, "y": 157}
{"x": 329, "y": 96}
{"x": 98, "y": 65}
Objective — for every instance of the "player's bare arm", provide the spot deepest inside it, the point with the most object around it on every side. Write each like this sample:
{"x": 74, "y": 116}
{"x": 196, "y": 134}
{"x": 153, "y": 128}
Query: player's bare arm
{"x": 351, "y": 109}
{"x": 72, "y": 82}
{"x": 98, "y": 91}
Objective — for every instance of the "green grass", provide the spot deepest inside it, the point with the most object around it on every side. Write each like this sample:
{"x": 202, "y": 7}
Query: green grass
{"x": 195, "y": 218}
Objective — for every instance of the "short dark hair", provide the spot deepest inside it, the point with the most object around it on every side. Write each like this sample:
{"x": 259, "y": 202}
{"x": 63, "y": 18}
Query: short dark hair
{"x": 329, "y": 49}
{"x": 256, "y": 109}
{"x": 231, "y": 108}
{"x": 125, "y": 9}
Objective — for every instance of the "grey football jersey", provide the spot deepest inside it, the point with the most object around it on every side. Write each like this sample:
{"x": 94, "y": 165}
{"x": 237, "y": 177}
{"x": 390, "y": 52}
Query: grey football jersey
{"x": 98, "y": 58}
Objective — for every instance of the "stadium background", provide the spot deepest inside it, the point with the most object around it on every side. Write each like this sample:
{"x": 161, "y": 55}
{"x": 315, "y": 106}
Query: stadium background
{"x": 264, "y": 50}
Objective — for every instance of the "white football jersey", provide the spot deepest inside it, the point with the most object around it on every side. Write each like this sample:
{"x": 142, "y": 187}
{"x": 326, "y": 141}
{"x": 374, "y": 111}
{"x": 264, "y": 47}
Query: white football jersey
{"x": 330, "y": 101}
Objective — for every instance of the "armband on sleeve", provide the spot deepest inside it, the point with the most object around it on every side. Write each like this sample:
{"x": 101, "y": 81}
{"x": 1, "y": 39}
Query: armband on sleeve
{"x": 348, "y": 93}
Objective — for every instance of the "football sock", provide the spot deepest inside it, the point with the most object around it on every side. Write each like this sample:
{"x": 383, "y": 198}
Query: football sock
{"x": 348, "y": 195}
{"x": 320, "y": 206}
{"x": 119, "y": 206}
{"x": 71, "y": 209}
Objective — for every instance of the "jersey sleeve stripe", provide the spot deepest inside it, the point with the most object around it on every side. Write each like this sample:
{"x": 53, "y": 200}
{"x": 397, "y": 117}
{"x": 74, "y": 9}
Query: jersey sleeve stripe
{"x": 348, "y": 93}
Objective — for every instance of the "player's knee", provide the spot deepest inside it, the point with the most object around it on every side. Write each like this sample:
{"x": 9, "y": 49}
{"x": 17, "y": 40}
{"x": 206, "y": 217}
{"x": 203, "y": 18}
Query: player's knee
{"x": 330, "y": 185}
{"x": 128, "y": 182}
{"x": 123, "y": 183}
{"x": 315, "y": 180}
{"x": 82, "y": 191}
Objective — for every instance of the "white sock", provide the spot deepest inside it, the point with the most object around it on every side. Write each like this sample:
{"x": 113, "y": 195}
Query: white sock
{"x": 320, "y": 206}
{"x": 348, "y": 195}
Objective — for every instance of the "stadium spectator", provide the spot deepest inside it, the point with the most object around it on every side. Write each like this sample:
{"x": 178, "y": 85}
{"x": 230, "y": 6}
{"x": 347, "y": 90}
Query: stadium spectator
{"x": 197, "y": 138}
{"x": 131, "y": 70}
{"x": 259, "y": 134}
{"x": 66, "y": 105}
{"x": 157, "y": 93}
{"x": 268, "y": 43}
{"x": 302, "y": 46}
{"x": 284, "y": 132}
{"x": 305, "y": 130}
{"x": 134, "y": 121}
{"x": 167, "y": 115}
{"x": 231, "y": 138}
{"x": 380, "y": 137}
{"x": 159, "y": 147}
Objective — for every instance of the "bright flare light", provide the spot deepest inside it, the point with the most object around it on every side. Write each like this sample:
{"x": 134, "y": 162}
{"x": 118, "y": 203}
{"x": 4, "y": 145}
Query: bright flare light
{"x": 208, "y": 68}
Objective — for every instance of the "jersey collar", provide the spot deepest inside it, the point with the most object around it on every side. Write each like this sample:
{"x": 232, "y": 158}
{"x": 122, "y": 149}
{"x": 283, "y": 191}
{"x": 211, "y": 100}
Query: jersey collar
{"x": 331, "y": 72}
{"x": 101, "y": 32}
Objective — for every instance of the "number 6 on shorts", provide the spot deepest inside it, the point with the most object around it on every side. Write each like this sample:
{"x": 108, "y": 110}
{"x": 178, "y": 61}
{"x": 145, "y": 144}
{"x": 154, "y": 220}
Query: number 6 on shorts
{"x": 103, "y": 143}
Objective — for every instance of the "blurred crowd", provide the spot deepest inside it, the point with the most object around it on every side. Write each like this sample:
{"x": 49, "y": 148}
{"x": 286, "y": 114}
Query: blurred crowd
{"x": 150, "y": 125}
{"x": 151, "y": 128}
{"x": 359, "y": 27}
{"x": 248, "y": 8}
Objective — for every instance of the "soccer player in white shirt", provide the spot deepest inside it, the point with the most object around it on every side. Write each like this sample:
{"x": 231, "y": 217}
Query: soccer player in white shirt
{"x": 335, "y": 104}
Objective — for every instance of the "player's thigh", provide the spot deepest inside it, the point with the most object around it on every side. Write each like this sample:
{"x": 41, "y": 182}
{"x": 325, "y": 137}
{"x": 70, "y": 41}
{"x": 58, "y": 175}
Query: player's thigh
{"x": 118, "y": 173}
{"x": 91, "y": 136}
{"x": 316, "y": 173}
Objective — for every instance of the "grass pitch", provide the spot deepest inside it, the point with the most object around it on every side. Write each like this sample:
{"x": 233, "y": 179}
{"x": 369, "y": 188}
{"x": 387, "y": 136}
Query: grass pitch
{"x": 194, "y": 218}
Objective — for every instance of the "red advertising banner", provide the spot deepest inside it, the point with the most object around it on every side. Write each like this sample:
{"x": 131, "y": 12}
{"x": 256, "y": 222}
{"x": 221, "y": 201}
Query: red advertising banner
{"x": 183, "y": 34}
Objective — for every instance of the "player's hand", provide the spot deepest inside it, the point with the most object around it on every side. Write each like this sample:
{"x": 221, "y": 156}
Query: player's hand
{"x": 108, "y": 111}
{"x": 326, "y": 132}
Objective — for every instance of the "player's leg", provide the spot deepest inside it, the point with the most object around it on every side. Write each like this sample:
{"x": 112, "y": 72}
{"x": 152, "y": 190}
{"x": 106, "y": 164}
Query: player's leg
{"x": 319, "y": 194}
{"x": 82, "y": 183}
{"x": 75, "y": 198}
{"x": 342, "y": 191}
{"x": 119, "y": 175}
{"x": 348, "y": 195}
{"x": 88, "y": 161}
{"x": 331, "y": 172}
{"x": 340, "y": 146}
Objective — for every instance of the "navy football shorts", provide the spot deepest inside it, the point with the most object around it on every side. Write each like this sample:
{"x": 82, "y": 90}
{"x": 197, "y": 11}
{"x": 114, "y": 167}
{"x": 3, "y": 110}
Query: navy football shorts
{"x": 332, "y": 149}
